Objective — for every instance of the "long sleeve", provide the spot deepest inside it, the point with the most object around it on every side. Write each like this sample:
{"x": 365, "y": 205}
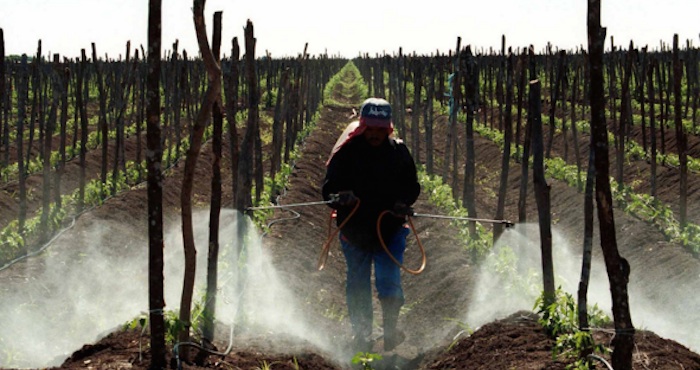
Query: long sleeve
{"x": 410, "y": 189}
{"x": 337, "y": 177}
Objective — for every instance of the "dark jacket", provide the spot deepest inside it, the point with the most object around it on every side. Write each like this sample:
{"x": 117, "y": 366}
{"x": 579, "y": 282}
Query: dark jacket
{"x": 379, "y": 177}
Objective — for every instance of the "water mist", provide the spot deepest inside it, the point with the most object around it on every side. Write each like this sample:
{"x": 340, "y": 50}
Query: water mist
{"x": 510, "y": 279}
{"x": 95, "y": 279}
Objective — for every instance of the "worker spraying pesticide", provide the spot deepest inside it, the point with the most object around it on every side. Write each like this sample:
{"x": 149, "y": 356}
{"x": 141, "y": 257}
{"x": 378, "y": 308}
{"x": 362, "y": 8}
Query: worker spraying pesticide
{"x": 369, "y": 173}
{"x": 371, "y": 183}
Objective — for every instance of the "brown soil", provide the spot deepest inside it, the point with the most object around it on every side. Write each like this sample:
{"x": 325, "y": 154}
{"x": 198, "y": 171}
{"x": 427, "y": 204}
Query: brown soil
{"x": 438, "y": 298}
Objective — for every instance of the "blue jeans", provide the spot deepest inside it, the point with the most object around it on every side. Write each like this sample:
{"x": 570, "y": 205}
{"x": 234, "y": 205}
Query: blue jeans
{"x": 358, "y": 285}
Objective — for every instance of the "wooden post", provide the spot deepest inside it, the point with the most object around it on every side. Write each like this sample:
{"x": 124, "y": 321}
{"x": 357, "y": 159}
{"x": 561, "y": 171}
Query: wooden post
{"x": 471, "y": 83}
{"x": 209, "y": 313}
{"x": 154, "y": 155}
{"x": 507, "y": 139}
{"x": 681, "y": 139}
{"x": 617, "y": 267}
{"x": 212, "y": 95}
{"x": 653, "y": 66}
{"x": 542, "y": 193}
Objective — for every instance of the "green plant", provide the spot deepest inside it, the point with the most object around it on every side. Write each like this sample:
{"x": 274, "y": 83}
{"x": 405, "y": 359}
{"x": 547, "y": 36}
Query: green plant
{"x": 265, "y": 366}
{"x": 173, "y": 326}
{"x": 347, "y": 83}
{"x": 276, "y": 185}
{"x": 138, "y": 322}
{"x": 560, "y": 316}
{"x": 640, "y": 205}
{"x": 560, "y": 320}
{"x": 505, "y": 264}
{"x": 441, "y": 195}
{"x": 365, "y": 359}
{"x": 334, "y": 313}
{"x": 9, "y": 355}
{"x": 465, "y": 329}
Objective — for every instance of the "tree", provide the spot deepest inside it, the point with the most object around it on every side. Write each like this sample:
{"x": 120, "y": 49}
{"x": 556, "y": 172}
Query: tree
{"x": 507, "y": 139}
{"x": 542, "y": 197}
{"x": 681, "y": 139}
{"x": 48, "y": 136}
{"x": 22, "y": 96}
{"x": 154, "y": 156}
{"x": 4, "y": 126}
{"x": 213, "y": 94}
{"x": 104, "y": 126}
{"x": 617, "y": 267}
{"x": 471, "y": 82}
{"x": 525, "y": 164}
{"x": 231, "y": 92}
{"x": 245, "y": 169}
{"x": 215, "y": 208}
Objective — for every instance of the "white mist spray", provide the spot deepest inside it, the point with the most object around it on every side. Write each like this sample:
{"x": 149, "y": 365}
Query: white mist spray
{"x": 510, "y": 279}
{"x": 96, "y": 279}
{"x": 91, "y": 283}
{"x": 250, "y": 294}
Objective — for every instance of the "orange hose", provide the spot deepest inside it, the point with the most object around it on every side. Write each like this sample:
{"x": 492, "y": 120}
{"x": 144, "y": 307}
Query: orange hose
{"x": 386, "y": 249}
{"x": 332, "y": 234}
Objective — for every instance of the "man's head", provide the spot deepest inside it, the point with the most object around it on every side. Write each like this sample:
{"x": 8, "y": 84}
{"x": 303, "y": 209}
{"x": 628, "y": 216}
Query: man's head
{"x": 375, "y": 115}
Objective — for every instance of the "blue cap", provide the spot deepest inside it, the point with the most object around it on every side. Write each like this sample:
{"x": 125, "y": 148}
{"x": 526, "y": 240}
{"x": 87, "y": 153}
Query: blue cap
{"x": 376, "y": 108}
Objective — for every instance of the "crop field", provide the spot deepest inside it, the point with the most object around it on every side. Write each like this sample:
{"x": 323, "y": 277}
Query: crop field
{"x": 164, "y": 212}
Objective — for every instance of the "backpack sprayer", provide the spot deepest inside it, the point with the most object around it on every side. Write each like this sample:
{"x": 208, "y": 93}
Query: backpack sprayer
{"x": 408, "y": 213}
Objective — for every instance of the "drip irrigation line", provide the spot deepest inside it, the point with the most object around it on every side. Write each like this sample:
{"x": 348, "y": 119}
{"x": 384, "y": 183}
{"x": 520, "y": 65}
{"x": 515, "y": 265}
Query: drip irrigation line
{"x": 43, "y": 247}
{"x": 296, "y": 215}
{"x": 601, "y": 360}
{"x": 176, "y": 346}
{"x": 53, "y": 239}
{"x": 284, "y": 207}
{"x": 176, "y": 349}
{"x": 48, "y": 243}
{"x": 72, "y": 224}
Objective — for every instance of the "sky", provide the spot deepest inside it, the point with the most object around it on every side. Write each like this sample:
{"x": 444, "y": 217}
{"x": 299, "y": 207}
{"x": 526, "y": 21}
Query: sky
{"x": 283, "y": 27}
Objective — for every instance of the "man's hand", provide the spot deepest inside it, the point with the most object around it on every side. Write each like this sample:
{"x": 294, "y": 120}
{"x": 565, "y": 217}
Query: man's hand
{"x": 402, "y": 209}
{"x": 345, "y": 198}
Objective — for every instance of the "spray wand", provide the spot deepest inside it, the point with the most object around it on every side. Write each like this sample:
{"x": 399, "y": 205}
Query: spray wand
{"x": 407, "y": 212}
{"x": 333, "y": 198}
{"x": 483, "y": 220}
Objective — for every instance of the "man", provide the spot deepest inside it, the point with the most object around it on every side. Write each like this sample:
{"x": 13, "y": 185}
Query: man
{"x": 373, "y": 172}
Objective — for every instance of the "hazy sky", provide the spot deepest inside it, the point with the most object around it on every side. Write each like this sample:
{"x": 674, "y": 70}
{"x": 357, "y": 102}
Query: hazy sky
{"x": 282, "y": 27}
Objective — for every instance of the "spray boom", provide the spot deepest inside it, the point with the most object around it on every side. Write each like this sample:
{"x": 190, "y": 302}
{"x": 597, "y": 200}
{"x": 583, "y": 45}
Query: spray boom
{"x": 333, "y": 198}
{"x": 486, "y": 220}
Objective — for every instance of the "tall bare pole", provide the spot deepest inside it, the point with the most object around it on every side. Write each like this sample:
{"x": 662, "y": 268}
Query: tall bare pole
{"x": 508, "y": 138}
{"x": 215, "y": 207}
{"x": 213, "y": 94}
{"x": 154, "y": 156}
{"x": 617, "y": 267}
{"x": 542, "y": 197}
{"x": 681, "y": 139}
